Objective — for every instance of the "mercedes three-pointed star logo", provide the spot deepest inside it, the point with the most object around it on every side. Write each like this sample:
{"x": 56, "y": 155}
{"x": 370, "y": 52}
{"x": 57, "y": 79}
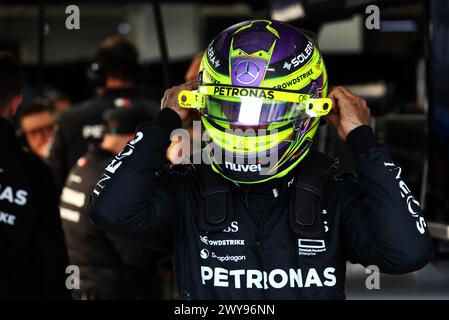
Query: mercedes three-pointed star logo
{"x": 246, "y": 72}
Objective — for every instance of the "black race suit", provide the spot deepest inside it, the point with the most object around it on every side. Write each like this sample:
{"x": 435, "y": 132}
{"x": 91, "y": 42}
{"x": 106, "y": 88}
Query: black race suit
{"x": 372, "y": 220}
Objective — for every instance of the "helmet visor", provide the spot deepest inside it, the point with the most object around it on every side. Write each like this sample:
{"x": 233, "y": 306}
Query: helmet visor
{"x": 253, "y": 106}
{"x": 251, "y": 111}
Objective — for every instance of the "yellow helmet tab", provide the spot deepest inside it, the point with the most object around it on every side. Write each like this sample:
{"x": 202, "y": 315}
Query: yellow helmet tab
{"x": 318, "y": 107}
{"x": 190, "y": 99}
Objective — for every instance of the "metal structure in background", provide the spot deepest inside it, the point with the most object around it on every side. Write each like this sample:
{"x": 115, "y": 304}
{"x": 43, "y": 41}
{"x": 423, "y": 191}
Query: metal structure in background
{"x": 41, "y": 48}
{"x": 326, "y": 9}
{"x": 162, "y": 42}
{"x": 41, "y": 44}
{"x": 438, "y": 95}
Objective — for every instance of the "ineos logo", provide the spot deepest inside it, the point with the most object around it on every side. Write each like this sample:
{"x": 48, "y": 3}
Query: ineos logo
{"x": 412, "y": 204}
{"x": 116, "y": 163}
{"x": 126, "y": 152}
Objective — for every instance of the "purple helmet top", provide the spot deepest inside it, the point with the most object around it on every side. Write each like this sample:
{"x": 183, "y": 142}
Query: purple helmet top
{"x": 254, "y": 36}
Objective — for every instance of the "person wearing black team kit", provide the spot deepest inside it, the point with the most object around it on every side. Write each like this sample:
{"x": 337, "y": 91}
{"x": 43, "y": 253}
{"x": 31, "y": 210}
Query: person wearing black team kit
{"x": 32, "y": 248}
{"x": 113, "y": 73}
{"x": 239, "y": 226}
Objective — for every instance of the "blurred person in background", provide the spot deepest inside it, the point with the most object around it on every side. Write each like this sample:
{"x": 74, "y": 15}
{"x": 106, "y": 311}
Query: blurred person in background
{"x": 192, "y": 70}
{"x": 33, "y": 256}
{"x": 113, "y": 73}
{"x": 59, "y": 101}
{"x": 37, "y": 121}
{"x": 110, "y": 267}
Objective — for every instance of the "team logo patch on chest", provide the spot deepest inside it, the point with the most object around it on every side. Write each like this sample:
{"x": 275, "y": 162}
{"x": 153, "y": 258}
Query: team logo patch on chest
{"x": 311, "y": 247}
{"x": 221, "y": 244}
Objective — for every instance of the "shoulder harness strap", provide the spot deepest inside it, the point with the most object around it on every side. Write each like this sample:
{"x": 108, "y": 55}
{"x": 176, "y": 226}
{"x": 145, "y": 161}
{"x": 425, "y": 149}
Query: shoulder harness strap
{"x": 305, "y": 199}
{"x": 216, "y": 211}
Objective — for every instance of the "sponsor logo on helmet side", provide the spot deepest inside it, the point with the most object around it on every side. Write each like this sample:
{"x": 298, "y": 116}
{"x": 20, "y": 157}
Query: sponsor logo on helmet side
{"x": 300, "y": 58}
{"x": 213, "y": 60}
{"x": 264, "y": 164}
{"x": 277, "y": 278}
{"x": 243, "y": 167}
{"x": 310, "y": 247}
{"x": 208, "y": 78}
{"x": 296, "y": 80}
{"x": 287, "y": 65}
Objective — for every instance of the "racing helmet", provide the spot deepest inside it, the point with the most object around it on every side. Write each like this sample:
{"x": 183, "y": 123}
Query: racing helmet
{"x": 261, "y": 91}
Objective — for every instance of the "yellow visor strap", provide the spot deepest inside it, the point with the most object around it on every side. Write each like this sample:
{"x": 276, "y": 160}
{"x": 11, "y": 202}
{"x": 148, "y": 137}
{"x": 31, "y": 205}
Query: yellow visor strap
{"x": 313, "y": 107}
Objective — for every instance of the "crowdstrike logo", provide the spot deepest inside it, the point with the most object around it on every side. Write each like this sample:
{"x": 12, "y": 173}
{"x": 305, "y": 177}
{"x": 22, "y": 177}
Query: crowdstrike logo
{"x": 226, "y": 242}
{"x": 277, "y": 278}
{"x": 296, "y": 80}
{"x": 204, "y": 239}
